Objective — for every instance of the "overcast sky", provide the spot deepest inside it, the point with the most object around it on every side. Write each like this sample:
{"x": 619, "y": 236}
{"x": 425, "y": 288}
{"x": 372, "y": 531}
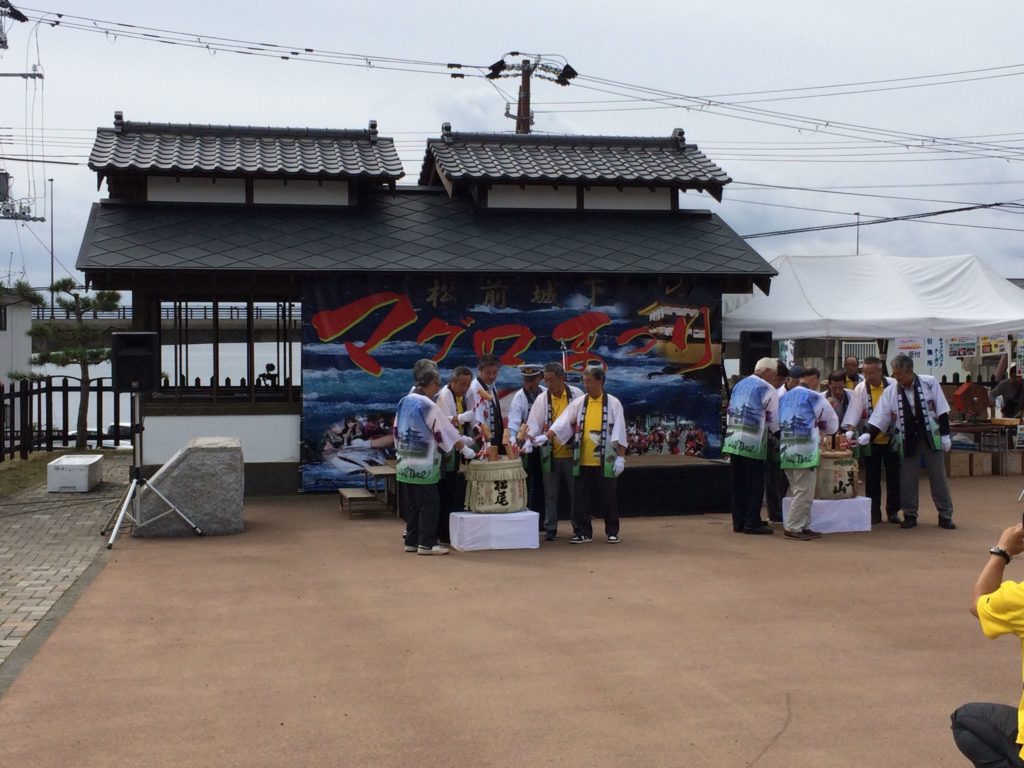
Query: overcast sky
{"x": 711, "y": 49}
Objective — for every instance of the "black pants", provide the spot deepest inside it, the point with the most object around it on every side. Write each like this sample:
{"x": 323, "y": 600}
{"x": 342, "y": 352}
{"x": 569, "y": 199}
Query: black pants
{"x": 775, "y": 487}
{"x": 451, "y": 492}
{"x": 882, "y": 457}
{"x": 987, "y": 735}
{"x": 594, "y": 496}
{"x": 420, "y": 505}
{"x": 747, "y": 492}
{"x": 535, "y": 485}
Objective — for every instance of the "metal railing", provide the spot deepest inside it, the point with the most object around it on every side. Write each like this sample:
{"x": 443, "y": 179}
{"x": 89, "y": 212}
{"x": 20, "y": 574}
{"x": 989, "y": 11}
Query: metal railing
{"x": 202, "y": 312}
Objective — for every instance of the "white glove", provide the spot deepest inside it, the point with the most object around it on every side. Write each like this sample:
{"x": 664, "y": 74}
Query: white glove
{"x": 465, "y": 417}
{"x": 359, "y": 443}
{"x": 947, "y": 443}
{"x": 851, "y": 436}
{"x": 468, "y": 453}
{"x": 864, "y": 439}
{"x": 540, "y": 440}
{"x": 620, "y": 464}
{"x": 527, "y": 446}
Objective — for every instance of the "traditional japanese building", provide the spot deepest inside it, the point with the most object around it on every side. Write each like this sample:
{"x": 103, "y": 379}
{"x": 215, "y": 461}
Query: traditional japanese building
{"x": 573, "y": 248}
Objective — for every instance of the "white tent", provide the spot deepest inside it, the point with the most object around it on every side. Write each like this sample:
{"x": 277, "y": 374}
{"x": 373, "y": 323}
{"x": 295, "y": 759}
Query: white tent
{"x": 871, "y": 296}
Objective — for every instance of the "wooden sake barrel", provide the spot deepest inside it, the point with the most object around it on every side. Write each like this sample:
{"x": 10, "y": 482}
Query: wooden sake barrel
{"x": 837, "y": 476}
{"x": 496, "y": 486}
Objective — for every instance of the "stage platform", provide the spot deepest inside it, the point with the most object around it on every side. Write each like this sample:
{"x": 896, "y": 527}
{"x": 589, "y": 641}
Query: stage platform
{"x": 673, "y": 485}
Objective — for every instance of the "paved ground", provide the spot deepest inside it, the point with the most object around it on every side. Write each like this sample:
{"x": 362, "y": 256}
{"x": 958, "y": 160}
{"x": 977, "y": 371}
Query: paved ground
{"x": 47, "y": 541}
{"x": 314, "y": 640}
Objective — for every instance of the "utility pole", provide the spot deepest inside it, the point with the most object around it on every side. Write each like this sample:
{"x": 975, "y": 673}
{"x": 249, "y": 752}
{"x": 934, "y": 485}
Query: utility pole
{"x": 857, "y": 214}
{"x": 51, "y": 248}
{"x": 523, "y": 117}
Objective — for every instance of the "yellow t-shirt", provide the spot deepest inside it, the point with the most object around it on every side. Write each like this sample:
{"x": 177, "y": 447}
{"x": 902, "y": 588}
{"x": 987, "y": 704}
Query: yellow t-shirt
{"x": 1002, "y": 613}
{"x": 876, "y": 394}
{"x": 558, "y": 405}
{"x": 592, "y": 423}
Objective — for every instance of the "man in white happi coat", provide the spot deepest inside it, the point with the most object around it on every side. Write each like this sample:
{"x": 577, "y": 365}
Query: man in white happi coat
{"x": 803, "y": 414}
{"x": 515, "y": 435}
{"x": 880, "y": 453}
{"x": 775, "y": 483}
{"x": 918, "y": 413}
{"x": 487, "y": 404}
{"x": 753, "y": 414}
{"x": 555, "y": 457}
{"x": 422, "y": 434}
{"x": 456, "y": 404}
{"x": 596, "y": 427}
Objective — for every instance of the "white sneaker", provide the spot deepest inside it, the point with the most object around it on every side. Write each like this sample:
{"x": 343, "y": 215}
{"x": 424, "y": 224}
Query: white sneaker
{"x": 437, "y": 549}
{"x": 410, "y": 549}
{"x": 613, "y": 539}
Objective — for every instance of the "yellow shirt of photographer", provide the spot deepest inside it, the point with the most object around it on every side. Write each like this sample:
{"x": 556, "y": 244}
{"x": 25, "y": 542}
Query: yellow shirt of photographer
{"x": 1002, "y": 613}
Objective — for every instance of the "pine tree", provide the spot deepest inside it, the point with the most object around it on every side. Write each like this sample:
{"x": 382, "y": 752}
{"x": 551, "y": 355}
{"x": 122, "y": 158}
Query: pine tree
{"x": 77, "y": 343}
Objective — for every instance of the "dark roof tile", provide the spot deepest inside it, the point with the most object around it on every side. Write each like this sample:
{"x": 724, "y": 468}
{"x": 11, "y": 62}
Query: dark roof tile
{"x": 176, "y": 148}
{"x": 413, "y": 228}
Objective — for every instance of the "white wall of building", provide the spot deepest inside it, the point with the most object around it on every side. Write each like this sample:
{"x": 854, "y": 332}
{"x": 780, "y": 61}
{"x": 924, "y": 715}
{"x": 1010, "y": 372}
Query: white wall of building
{"x": 15, "y": 343}
{"x": 543, "y": 197}
{"x": 265, "y": 439}
{"x": 299, "y": 192}
{"x": 171, "y": 189}
{"x": 627, "y": 199}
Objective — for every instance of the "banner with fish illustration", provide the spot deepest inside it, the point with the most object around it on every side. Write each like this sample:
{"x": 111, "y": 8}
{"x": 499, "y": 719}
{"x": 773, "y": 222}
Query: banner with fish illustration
{"x": 658, "y": 338}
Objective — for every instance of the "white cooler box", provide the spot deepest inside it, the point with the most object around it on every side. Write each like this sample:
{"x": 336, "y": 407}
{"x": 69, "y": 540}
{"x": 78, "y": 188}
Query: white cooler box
{"x": 836, "y": 515}
{"x": 512, "y": 530}
{"x": 74, "y": 474}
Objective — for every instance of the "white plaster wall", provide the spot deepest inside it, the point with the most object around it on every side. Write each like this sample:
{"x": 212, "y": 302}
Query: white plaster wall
{"x": 169, "y": 189}
{"x": 264, "y": 438}
{"x": 545, "y": 197}
{"x": 15, "y": 343}
{"x": 627, "y": 199}
{"x": 299, "y": 192}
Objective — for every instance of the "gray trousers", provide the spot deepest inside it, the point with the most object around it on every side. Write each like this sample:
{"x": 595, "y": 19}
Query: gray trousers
{"x": 559, "y": 476}
{"x": 909, "y": 472}
{"x": 801, "y": 484}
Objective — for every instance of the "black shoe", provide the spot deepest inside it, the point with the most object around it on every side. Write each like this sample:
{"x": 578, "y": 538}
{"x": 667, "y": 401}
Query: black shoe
{"x": 876, "y": 520}
{"x": 909, "y": 522}
{"x": 796, "y": 535}
{"x": 737, "y": 530}
{"x": 761, "y": 530}
{"x": 811, "y": 533}
{"x": 550, "y": 536}
{"x": 945, "y": 522}
{"x": 894, "y": 519}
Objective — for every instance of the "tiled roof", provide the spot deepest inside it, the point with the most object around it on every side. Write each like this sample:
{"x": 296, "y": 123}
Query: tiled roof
{"x": 169, "y": 147}
{"x": 582, "y": 159}
{"x": 412, "y": 229}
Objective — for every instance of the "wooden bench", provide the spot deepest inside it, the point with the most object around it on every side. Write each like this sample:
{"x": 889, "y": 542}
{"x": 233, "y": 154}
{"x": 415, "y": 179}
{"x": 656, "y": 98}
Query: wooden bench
{"x": 351, "y": 496}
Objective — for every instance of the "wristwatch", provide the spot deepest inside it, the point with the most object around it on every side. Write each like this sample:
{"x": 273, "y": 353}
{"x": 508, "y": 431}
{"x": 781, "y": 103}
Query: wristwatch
{"x": 1001, "y": 553}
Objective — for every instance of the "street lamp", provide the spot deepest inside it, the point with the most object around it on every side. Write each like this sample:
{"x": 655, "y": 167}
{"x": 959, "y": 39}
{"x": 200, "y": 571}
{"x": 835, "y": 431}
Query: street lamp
{"x": 51, "y": 248}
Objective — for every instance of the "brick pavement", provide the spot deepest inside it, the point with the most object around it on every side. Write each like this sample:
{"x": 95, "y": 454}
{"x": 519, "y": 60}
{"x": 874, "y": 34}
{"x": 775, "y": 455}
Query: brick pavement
{"x": 47, "y": 541}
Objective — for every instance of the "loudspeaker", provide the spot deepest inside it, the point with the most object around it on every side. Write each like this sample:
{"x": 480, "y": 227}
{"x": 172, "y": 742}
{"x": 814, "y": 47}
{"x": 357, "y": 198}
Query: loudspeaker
{"x": 135, "y": 359}
{"x": 753, "y": 346}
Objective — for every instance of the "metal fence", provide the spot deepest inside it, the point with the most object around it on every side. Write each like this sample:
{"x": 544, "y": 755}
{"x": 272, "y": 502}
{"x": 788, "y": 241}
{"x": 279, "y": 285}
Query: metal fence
{"x": 291, "y": 312}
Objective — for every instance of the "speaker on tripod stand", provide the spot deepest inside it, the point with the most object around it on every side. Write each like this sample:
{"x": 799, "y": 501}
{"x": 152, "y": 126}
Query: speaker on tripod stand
{"x": 135, "y": 368}
{"x": 753, "y": 346}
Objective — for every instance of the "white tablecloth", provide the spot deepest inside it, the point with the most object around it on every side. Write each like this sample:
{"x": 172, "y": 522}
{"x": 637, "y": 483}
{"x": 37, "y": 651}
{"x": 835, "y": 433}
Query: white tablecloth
{"x": 836, "y": 515}
{"x": 513, "y": 530}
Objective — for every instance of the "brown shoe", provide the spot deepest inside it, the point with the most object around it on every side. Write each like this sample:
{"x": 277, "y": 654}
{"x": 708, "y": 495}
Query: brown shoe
{"x": 812, "y": 534}
{"x": 796, "y": 535}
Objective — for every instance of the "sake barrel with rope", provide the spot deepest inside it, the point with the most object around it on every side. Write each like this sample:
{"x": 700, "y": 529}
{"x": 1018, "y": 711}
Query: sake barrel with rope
{"x": 837, "y": 476}
{"x": 496, "y": 486}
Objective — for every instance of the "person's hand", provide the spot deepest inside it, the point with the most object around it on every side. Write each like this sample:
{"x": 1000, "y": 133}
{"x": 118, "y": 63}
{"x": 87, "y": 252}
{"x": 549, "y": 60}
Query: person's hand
{"x": 527, "y": 446}
{"x": 1012, "y": 539}
{"x": 468, "y": 453}
{"x": 465, "y": 417}
{"x": 851, "y": 436}
{"x": 620, "y": 465}
{"x": 540, "y": 440}
{"x": 359, "y": 443}
{"x": 864, "y": 439}
{"x": 947, "y": 443}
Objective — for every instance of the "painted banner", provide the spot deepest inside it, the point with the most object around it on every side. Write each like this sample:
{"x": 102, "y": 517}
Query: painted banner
{"x": 992, "y": 345}
{"x": 935, "y": 351}
{"x": 659, "y": 340}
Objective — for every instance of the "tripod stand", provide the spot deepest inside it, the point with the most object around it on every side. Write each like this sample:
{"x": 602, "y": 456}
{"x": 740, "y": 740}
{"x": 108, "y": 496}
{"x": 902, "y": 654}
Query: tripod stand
{"x": 132, "y": 497}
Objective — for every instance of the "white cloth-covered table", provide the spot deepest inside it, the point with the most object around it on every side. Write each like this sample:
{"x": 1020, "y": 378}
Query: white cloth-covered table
{"x": 513, "y": 530}
{"x": 836, "y": 515}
